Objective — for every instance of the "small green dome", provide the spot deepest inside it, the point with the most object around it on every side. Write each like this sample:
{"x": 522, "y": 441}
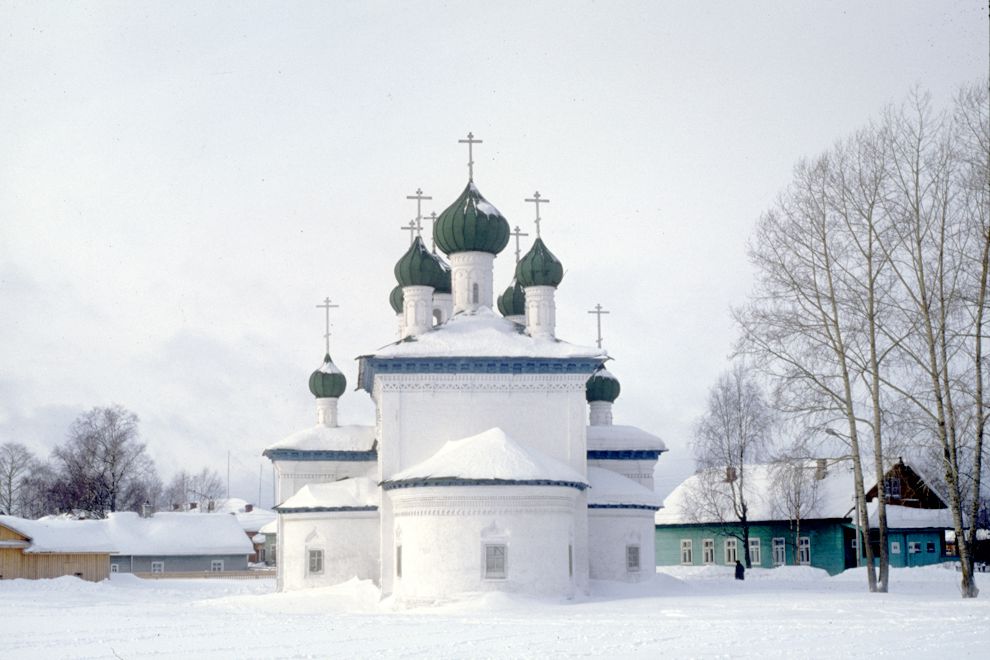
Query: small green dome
{"x": 417, "y": 267}
{"x": 442, "y": 283}
{"x": 512, "y": 302}
{"x": 539, "y": 267}
{"x": 327, "y": 381}
{"x": 395, "y": 299}
{"x": 471, "y": 224}
{"x": 602, "y": 386}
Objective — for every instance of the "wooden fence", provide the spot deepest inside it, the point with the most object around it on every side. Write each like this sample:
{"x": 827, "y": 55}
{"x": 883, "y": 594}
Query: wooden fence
{"x": 214, "y": 575}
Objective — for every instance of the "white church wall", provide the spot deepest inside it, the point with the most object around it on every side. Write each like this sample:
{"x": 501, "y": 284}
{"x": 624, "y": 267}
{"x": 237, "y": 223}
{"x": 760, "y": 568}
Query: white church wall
{"x": 443, "y": 532}
{"x": 290, "y": 476}
{"x": 640, "y": 471}
{"x": 348, "y": 541}
{"x": 610, "y": 533}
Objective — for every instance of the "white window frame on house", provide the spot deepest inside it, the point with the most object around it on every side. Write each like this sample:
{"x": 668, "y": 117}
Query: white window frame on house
{"x": 632, "y": 559}
{"x": 731, "y": 551}
{"x": 216, "y": 566}
{"x": 895, "y": 547}
{"x": 779, "y": 550}
{"x": 755, "y": 552}
{"x": 804, "y": 550}
{"x": 687, "y": 552}
{"x": 708, "y": 551}
{"x": 314, "y": 561}
{"x": 914, "y": 547}
{"x": 114, "y": 568}
{"x": 892, "y": 488}
{"x": 495, "y": 558}
{"x": 157, "y": 567}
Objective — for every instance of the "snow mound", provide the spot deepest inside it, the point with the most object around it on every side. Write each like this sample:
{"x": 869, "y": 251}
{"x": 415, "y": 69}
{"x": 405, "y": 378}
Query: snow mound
{"x": 329, "y": 438}
{"x": 489, "y": 455}
{"x": 609, "y": 487}
{"x": 347, "y": 493}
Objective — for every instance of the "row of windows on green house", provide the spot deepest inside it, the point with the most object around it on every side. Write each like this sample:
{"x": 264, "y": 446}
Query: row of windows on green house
{"x": 831, "y": 546}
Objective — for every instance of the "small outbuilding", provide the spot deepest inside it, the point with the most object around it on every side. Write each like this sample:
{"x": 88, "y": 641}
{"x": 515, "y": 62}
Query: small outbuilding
{"x": 35, "y": 549}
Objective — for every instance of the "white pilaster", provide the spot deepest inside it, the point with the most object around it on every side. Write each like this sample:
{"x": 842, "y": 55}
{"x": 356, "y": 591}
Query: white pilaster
{"x": 471, "y": 280}
{"x": 417, "y": 308}
{"x": 326, "y": 411}
{"x": 601, "y": 413}
{"x": 444, "y": 304}
{"x": 541, "y": 312}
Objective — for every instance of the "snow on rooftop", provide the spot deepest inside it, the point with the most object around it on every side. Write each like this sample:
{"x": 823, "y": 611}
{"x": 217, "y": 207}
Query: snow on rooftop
{"x": 902, "y": 517}
{"x": 484, "y": 333}
{"x": 269, "y": 528}
{"x": 61, "y": 534}
{"x": 602, "y": 372}
{"x": 609, "y": 487}
{"x": 250, "y": 521}
{"x": 618, "y": 437}
{"x": 177, "y": 533}
{"x": 705, "y": 497}
{"x": 349, "y": 493}
{"x": 329, "y": 438}
{"x": 489, "y": 455}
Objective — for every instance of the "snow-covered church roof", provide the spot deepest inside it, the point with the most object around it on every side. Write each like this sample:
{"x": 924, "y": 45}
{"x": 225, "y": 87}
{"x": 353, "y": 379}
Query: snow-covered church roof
{"x": 612, "y": 490}
{"x": 347, "y": 494}
{"x": 489, "y": 457}
{"x": 328, "y": 438}
{"x": 617, "y": 437}
{"x": 59, "y": 535}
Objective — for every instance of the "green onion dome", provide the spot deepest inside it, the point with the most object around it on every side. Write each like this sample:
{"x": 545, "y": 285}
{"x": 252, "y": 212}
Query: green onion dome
{"x": 602, "y": 386}
{"x": 539, "y": 267}
{"x": 471, "y": 224}
{"x": 442, "y": 283}
{"x": 395, "y": 299}
{"x": 512, "y": 302}
{"x": 417, "y": 267}
{"x": 327, "y": 381}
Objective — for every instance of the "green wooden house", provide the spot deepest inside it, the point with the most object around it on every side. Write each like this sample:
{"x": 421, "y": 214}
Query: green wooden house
{"x": 800, "y": 514}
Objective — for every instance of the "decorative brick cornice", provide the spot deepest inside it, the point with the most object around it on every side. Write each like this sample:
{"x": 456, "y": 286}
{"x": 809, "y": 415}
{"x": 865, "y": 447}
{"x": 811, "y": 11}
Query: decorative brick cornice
{"x": 372, "y": 369}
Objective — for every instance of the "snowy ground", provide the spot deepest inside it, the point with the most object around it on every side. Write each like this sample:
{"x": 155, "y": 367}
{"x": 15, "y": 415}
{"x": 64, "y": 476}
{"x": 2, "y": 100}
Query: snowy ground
{"x": 690, "y": 612}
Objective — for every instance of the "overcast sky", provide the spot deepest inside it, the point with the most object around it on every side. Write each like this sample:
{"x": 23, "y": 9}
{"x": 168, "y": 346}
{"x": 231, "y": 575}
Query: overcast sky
{"x": 181, "y": 183}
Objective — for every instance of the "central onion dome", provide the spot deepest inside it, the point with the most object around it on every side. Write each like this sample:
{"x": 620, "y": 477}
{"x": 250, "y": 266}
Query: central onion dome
{"x": 512, "y": 302}
{"x": 418, "y": 267}
{"x": 327, "y": 381}
{"x": 395, "y": 299}
{"x": 471, "y": 224}
{"x": 539, "y": 267}
{"x": 602, "y": 386}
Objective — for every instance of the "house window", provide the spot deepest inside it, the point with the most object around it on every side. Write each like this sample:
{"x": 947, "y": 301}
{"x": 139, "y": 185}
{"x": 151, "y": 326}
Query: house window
{"x": 892, "y": 487}
{"x": 114, "y": 568}
{"x": 914, "y": 547}
{"x": 731, "y": 551}
{"x": 931, "y": 546}
{"x": 474, "y": 293}
{"x": 708, "y": 551}
{"x": 495, "y": 561}
{"x": 779, "y": 551}
{"x": 398, "y": 561}
{"x": 755, "y": 556}
{"x": 632, "y": 559}
{"x": 687, "y": 552}
{"x": 261, "y": 555}
{"x": 216, "y": 566}
{"x": 570, "y": 561}
{"x": 315, "y": 562}
{"x": 804, "y": 550}
{"x": 157, "y": 567}
{"x": 895, "y": 547}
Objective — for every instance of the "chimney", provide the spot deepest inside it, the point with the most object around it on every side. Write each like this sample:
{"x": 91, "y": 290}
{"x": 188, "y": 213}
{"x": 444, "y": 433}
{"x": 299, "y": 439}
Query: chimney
{"x": 730, "y": 473}
{"x": 821, "y": 468}
{"x": 248, "y": 508}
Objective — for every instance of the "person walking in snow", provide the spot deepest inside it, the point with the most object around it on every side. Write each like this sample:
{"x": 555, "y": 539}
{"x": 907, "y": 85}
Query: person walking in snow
{"x": 740, "y": 571}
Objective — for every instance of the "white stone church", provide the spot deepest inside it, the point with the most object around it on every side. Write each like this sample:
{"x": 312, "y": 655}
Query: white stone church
{"x": 481, "y": 472}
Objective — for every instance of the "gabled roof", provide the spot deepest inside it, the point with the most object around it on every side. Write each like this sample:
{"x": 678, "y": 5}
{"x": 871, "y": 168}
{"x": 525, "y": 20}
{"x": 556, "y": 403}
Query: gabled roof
{"x": 177, "y": 533}
{"x": 60, "y": 535}
{"x": 903, "y": 517}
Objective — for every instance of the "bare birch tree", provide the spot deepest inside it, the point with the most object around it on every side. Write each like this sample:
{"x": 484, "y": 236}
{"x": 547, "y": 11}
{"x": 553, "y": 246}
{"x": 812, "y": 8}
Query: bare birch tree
{"x": 16, "y": 464}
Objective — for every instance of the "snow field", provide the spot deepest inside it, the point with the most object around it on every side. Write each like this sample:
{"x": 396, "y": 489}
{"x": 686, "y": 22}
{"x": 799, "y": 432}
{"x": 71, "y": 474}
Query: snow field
{"x": 684, "y": 612}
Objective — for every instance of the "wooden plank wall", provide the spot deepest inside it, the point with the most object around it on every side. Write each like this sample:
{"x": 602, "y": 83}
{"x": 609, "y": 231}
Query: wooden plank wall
{"x": 15, "y": 563}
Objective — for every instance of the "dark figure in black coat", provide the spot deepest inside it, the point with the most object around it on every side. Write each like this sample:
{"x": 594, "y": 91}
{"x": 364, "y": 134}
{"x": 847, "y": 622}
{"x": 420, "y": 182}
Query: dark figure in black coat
{"x": 740, "y": 571}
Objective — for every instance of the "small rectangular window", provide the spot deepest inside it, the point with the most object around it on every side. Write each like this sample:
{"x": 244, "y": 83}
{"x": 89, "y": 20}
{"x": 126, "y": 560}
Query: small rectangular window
{"x": 755, "y": 554}
{"x": 708, "y": 551}
{"x": 114, "y": 568}
{"x": 892, "y": 486}
{"x": 914, "y": 547}
{"x": 895, "y": 547}
{"x": 398, "y": 561}
{"x": 157, "y": 567}
{"x": 570, "y": 561}
{"x": 632, "y": 558}
{"x": 804, "y": 550}
{"x": 731, "y": 551}
{"x": 687, "y": 552}
{"x": 216, "y": 566}
{"x": 931, "y": 547}
{"x": 495, "y": 561}
{"x": 779, "y": 551}
{"x": 315, "y": 562}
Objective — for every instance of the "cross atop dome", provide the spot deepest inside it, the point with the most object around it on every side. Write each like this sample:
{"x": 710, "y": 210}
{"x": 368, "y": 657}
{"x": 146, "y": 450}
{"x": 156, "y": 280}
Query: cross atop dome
{"x": 536, "y": 200}
{"x": 470, "y": 142}
{"x": 598, "y": 311}
{"x": 327, "y": 306}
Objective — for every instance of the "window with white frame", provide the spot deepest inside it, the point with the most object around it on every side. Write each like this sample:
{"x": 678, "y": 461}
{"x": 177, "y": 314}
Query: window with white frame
{"x": 216, "y": 566}
{"x": 495, "y": 556}
{"x": 687, "y": 552}
{"x": 157, "y": 567}
{"x": 755, "y": 554}
{"x": 804, "y": 550}
{"x": 779, "y": 551}
{"x": 895, "y": 547}
{"x": 632, "y": 559}
{"x": 731, "y": 551}
{"x": 892, "y": 488}
{"x": 315, "y": 562}
{"x": 914, "y": 547}
{"x": 114, "y": 568}
{"x": 708, "y": 551}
